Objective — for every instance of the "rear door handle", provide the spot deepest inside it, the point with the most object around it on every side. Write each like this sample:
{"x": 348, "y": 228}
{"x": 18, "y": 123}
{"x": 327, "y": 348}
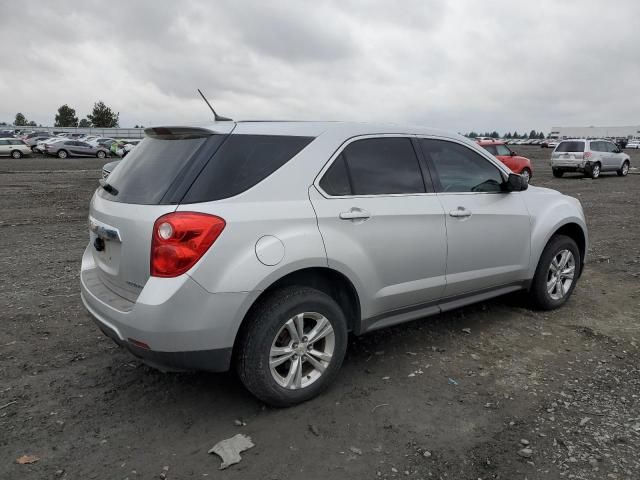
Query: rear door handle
{"x": 355, "y": 214}
{"x": 460, "y": 212}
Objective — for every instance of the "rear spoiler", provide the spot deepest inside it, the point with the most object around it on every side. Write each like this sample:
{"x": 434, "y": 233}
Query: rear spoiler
{"x": 183, "y": 133}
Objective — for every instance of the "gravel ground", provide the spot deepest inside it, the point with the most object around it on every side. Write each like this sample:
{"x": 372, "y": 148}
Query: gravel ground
{"x": 521, "y": 394}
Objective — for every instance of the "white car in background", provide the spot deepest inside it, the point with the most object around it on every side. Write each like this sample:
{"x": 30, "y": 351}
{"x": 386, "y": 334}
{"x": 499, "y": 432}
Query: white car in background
{"x": 41, "y": 146}
{"x": 633, "y": 143}
{"x": 14, "y": 147}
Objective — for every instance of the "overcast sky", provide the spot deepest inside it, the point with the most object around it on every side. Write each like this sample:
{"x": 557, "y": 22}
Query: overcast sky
{"x": 457, "y": 65}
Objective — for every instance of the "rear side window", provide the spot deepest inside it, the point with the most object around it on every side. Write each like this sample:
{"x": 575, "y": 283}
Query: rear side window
{"x": 336, "y": 181}
{"x": 4, "y": 142}
{"x": 570, "y": 147}
{"x": 378, "y": 166}
{"x": 240, "y": 163}
{"x": 16, "y": 142}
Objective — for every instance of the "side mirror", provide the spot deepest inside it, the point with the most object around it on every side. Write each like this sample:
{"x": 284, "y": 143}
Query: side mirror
{"x": 513, "y": 154}
{"x": 515, "y": 183}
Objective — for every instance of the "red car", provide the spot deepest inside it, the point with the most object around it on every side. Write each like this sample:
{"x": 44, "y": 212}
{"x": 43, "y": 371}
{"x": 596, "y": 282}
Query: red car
{"x": 517, "y": 164}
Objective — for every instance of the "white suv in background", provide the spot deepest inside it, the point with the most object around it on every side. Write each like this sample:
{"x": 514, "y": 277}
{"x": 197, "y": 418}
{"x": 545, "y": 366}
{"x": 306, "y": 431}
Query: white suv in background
{"x": 590, "y": 157}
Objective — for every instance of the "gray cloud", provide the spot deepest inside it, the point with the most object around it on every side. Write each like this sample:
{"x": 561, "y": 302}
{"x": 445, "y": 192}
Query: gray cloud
{"x": 453, "y": 65}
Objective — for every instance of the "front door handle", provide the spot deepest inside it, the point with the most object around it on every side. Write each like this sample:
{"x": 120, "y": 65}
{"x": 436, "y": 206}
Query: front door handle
{"x": 355, "y": 214}
{"x": 460, "y": 212}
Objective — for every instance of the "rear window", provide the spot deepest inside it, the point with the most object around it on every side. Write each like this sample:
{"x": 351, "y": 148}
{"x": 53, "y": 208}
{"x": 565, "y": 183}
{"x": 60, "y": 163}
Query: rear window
{"x": 147, "y": 173}
{"x": 570, "y": 147}
{"x": 197, "y": 167}
{"x": 241, "y": 162}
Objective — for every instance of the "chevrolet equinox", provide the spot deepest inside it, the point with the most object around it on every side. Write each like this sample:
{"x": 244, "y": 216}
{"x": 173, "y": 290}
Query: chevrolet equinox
{"x": 262, "y": 245}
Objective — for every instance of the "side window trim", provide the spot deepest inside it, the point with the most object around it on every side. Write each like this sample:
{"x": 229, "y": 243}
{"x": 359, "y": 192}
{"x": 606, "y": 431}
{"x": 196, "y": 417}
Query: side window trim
{"x": 481, "y": 152}
{"x": 426, "y": 175}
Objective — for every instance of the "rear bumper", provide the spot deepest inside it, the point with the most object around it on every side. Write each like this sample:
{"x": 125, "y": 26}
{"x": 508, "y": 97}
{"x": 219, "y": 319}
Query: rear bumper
{"x": 568, "y": 166}
{"x": 184, "y": 326}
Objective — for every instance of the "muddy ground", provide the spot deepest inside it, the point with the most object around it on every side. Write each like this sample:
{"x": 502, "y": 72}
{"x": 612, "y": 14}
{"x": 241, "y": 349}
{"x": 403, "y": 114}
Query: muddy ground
{"x": 420, "y": 400}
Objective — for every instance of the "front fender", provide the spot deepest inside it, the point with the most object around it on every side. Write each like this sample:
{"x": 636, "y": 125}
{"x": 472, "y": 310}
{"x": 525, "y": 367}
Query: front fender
{"x": 551, "y": 211}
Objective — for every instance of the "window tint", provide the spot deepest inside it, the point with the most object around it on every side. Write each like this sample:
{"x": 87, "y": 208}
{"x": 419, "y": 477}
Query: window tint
{"x": 241, "y": 162}
{"x": 460, "y": 169}
{"x": 4, "y": 142}
{"x": 611, "y": 147}
{"x": 16, "y": 142}
{"x": 146, "y": 174}
{"x": 336, "y": 180}
{"x": 595, "y": 146}
{"x": 570, "y": 147}
{"x": 380, "y": 166}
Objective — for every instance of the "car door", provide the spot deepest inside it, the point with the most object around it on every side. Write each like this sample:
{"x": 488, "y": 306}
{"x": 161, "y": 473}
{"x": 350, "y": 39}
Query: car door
{"x": 488, "y": 230}
{"x": 382, "y": 225}
{"x": 614, "y": 156}
{"x": 4, "y": 147}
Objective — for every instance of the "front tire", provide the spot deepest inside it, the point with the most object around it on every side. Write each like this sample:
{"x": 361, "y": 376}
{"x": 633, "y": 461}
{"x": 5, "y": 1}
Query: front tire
{"x": 557, "y": 273}
{"x": 62, "y": 154}
{"x": 293, "y": 346}
{"x": 624, "y": 170}
{"x": 101, "y": 154}
{"x": 526, "y": 174}
{"x": 16, "y": 154}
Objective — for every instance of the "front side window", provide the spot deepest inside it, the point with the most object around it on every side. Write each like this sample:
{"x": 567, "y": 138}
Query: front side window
{"x": 503, "y": 150}
{"x": 491, "y": 149}
{"x": 460, "y": 169}
{"x": 375, "y": 166}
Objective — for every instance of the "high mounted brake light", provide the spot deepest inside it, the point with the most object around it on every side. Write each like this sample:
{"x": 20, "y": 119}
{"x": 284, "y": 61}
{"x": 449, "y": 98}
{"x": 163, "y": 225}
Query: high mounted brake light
{"x": 180, "y": 239}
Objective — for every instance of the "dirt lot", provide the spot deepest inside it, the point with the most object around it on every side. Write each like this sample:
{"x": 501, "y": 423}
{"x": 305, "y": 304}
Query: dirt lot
{"x": 421, "y": 400}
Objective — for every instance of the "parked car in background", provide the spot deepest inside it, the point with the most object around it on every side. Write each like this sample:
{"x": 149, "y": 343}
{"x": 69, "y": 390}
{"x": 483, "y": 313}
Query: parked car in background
{"x": 40, "y": 146}
{"x": 6, "y": 134}
{"x": 108, "y": 168}
{"x": 127, "y": 147}
{"x": 360, "y": 227}
{"x": 99, "y": 141}
{"x": 590, "y": 157}
{"x": 517, "y": 164}
{"x": 33, "y": 140}
{"x": 74, "y": 148}
{"x": 14, "y": 147}
{"x": 634, "y": 143}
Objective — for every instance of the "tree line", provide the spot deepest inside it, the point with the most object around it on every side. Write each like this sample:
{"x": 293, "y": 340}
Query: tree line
{"x": 532, "y": 134}
{"x": 101, "y": 116}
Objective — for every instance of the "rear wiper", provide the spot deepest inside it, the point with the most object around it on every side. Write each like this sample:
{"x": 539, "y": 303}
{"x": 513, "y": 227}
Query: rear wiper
{"x": 109, "y": 188}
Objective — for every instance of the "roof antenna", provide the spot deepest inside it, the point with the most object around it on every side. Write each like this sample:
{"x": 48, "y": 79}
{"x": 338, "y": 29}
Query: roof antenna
{"x": 217, "y": 117}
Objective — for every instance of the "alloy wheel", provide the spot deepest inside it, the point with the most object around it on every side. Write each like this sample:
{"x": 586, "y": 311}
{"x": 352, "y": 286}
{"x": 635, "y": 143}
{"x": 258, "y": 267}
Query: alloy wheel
{"x": 595, "y": 171}
{"x": 561, "y": 274}
{"x": 302, "y": 350}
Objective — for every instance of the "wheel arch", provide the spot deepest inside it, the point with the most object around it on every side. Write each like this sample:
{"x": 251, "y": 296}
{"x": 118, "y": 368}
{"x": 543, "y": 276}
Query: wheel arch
{"x": 327, "y": 280}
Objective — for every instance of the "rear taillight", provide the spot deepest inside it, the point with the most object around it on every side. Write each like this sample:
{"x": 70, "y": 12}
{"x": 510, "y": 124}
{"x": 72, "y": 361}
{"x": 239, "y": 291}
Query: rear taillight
{"x": 586, "y": 155}
{"x": 180, "y": 239}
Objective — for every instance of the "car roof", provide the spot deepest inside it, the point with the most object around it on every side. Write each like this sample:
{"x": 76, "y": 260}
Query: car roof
{"x": 311, "y": 128}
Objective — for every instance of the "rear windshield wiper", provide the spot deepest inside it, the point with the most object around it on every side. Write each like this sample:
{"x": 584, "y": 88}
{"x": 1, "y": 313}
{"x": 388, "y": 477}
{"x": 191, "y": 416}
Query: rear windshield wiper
{"x": 109, "y": 188}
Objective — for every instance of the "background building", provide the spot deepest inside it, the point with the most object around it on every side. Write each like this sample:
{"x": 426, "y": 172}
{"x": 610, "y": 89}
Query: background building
{"x": 595, "y": 132}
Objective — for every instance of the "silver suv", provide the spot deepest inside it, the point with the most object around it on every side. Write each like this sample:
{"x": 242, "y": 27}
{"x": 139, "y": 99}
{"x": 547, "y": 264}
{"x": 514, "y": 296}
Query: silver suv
{"x": 590, "y": 157}
{"x": 261, "y": 245}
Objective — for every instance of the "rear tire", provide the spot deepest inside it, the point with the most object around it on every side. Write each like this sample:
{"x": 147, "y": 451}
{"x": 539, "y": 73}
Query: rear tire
{"x": 594, "y": 171}
{"x": 62, "y": 154}
{"x": 557, "y": 173}
{"x": 550, "y": 288}
{"x": 268, "y": 329}
{"x": 16, "y": 154}
{"x": 624, "y": 170}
